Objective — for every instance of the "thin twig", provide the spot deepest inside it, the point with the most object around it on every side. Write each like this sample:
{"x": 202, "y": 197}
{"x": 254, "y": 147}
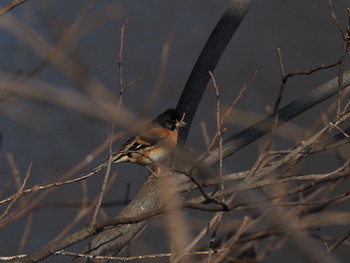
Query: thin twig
{"x": 44, "y": 187}
{"x": 86, "y": 208}
{"x": 230, "y": 109}
{"x": 232, "y": 241}
{"x": 120, "y": 56}
{"x": 14, "y": 169}
{"x": 346, "y": 42}
{"x": 334, "y": 18}
{"x": 205, "y": 134}
{"x": 111, "y": 130}
{"x": 259, "y": 164}
{"x": 200, "y": 236}
{"x": 218, "y": 128}
{"x": 65, "y": 40}
{"x": 283, "y": 81}
{"x": 336, "y": 244}
{"x": 18, "y": 194}
{"x": 106, "y": 177}
{"x": 10, "y": 6}
{"x": 25, "y": 235}
{"x": 206, "y": 195}
{"x": 162, "y": 69}
{"x": 134, "y": 258}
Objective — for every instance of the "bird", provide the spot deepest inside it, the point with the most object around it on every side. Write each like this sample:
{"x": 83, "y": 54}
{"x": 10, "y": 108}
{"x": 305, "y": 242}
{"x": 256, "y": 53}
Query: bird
{"x": 151, "y": 146}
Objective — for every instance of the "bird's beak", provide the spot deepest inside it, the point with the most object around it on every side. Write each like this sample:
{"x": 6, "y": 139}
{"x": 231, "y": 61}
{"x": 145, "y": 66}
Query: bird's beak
{"x": 182, "y": 123}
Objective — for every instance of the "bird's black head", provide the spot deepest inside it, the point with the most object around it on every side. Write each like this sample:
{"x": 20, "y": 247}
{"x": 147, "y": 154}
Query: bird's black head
{"x": 168, "y": 119}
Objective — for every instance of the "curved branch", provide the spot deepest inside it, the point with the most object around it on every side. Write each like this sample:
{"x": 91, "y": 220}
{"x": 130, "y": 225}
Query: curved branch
{"x": 208, "y": 59}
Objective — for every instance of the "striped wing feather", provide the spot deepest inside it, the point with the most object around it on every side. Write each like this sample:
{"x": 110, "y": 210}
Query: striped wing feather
{"x": 136, "y": 143}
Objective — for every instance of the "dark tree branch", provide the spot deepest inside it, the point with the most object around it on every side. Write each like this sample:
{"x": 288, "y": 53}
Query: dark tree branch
{"x": 286, "y": 113}
{"x": 208, "y": 59}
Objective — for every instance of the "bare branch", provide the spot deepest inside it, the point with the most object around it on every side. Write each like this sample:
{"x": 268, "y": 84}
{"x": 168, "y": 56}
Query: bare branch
{"x": 208, "y": 59}
{"x": 10, "y": 6}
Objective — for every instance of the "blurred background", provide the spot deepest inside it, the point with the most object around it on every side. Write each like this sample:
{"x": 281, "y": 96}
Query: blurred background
{"x": 55, "y": 139}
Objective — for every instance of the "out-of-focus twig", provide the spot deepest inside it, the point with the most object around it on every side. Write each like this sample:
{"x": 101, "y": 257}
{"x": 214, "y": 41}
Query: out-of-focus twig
{"x": 10, "y": 6}
{"x": 162, "y": 70}
{"x": 25, "y": 236}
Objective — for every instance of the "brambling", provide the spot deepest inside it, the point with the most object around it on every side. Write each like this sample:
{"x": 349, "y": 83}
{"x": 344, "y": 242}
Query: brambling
{"x": 153, "y": 145}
